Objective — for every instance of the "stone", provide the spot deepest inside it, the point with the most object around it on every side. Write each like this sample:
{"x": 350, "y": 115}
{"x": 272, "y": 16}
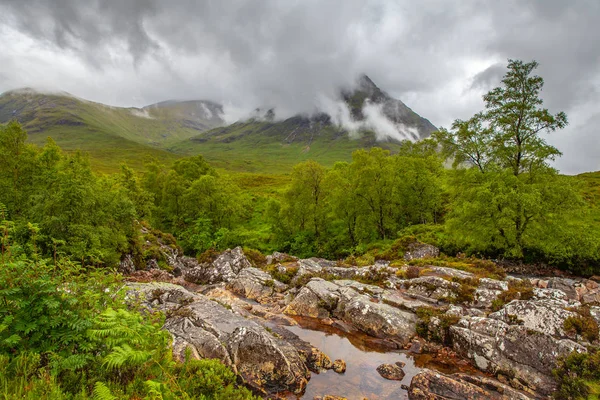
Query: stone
{"x": 278, "y": 257}
{"x": 315, "y": 300}
{"x": 591, "y": 285}
{"x": 544, "y": 316}
{"x": 392, "y": 372}
{"x": 591, "y": 298}
{"x": 399, "y": 300}
{"x": 564, "y": 284}
{"x": 339, "y": 366}
{"x": 553, "y": 294}
{"x": 351, "y": 303}
{"x": 432, "y": 287}
{"x": 449, "y": 272}
{"x": 431, "y": 385}
{"x": 497, "y": 347}
{"x": 375, "y": 319}
{"x": 226, "y": 267}
{"x": 255, "y": 284}
{"x": 266, "y": 363}
{"x": 127, "y": 267}
{"x": 419, "y": 250}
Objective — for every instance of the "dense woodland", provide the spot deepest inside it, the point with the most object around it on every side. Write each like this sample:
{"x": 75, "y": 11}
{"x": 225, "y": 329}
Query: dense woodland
{"x": 485, "y": 188}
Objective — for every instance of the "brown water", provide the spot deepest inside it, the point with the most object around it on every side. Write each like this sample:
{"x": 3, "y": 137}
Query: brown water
{"x": 362, "y": 356}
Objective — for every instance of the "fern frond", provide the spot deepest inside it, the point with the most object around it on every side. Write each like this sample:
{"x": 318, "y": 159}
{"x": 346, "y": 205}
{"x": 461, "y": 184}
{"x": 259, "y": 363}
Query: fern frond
{"x": 125, "y": 356}
{"x": 102, "y": 392}
{"x": 155, "y": 390}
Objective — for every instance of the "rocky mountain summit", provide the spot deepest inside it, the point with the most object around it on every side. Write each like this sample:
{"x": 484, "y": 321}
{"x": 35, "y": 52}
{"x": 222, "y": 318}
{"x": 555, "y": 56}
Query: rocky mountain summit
{"x": 510, "y": 331}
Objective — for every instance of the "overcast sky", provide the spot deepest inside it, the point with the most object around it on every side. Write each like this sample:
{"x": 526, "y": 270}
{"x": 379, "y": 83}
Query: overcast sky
{"x": 437, "y": 56}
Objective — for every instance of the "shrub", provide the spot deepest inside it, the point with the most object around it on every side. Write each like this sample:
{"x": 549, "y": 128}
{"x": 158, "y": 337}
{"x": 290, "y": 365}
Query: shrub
{"x": 578, "y": 375}
{"x": 255, "y": 257}
{"x": 517, "y": 290}
{"x": 584, "y": 324}
{"x": 413, "y": 272}
{"x": 442, "y": 332}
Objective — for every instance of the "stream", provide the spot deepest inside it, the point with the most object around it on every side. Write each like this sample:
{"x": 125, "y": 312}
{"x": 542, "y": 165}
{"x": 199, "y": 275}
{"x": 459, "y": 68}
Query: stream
{"x": 362, "y": 356}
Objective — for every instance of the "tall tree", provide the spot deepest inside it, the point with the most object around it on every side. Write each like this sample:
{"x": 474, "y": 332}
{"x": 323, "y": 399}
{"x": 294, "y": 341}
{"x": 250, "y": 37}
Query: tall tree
{"x": 509, "y": 193}
{"x": 304, "y": 205}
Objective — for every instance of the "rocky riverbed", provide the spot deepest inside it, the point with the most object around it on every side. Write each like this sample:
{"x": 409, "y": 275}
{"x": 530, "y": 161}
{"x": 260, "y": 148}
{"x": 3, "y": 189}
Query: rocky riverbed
{"x": 309, "y": 328}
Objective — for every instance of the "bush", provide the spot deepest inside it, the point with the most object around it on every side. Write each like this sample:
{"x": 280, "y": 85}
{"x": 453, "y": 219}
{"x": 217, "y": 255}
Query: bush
{"x": 255, "y": 257}
{"x": 578, "y": 375}
{"x": 584, "y": 325}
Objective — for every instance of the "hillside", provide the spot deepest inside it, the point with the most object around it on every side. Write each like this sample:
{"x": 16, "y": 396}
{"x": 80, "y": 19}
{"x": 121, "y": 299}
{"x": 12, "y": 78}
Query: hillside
{"x": 110, "y": 134}
{"x": 165, "y": 130}
{"x": 264, "y": 144}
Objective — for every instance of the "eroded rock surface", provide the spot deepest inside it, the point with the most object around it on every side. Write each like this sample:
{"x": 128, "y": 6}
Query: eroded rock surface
{"x": 496, "y": 347}
{"x": 431, "y": 385}
{"x": 265, "y": 362}
{"x": 350, "y": 302}
{"x": 225, "y": 268}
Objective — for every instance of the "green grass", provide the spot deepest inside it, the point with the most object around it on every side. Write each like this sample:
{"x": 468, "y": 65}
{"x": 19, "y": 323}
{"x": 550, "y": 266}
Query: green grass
{"x": 111, "y": 135}
{"x": 275, "y": 147}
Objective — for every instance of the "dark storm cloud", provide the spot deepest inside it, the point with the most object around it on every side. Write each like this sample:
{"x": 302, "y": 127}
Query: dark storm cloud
{"x": 437, "y": 56}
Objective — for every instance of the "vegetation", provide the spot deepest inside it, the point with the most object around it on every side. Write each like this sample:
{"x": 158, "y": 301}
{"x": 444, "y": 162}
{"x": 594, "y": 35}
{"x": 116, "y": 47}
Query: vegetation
{"x": 66, "y": 333}
{"x": 578, "y": 376}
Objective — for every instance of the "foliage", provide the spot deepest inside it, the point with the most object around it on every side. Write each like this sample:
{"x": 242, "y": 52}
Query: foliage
{"x": 583, "y": 324}
{"x": 508, "y": 200}
{"x": 66, "y": 334}
{"x": 578, "y": 376}
{"x": 517, "y": 290}
{"x": 439, "y": 333}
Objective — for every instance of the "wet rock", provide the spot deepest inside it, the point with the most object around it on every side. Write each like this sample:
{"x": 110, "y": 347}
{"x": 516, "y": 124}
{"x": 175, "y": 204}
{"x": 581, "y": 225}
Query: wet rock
{"x": 391, "y": 371}
{"x": 419, "y": 250}
{"x": 545, "y": 316}
{"x": 265, "y": 362}
{"x": 514, "y": 350}
{"x": 430, "y": 385}
{"x": 255, "y": 284}
{"x": 339, "y": 366}
{"x": 226, "y": 267}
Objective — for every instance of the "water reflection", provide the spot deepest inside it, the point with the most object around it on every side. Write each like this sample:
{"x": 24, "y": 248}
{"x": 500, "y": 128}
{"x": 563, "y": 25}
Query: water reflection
{"x": 362, "y": 355}
{"x": 361, "y": 378}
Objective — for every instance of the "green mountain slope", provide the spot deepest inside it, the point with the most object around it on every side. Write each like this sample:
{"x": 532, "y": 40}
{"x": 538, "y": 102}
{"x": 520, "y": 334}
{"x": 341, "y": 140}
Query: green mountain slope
{"x": 110, "y": 135}
{"x": 275, "y": 147}
{"x": 264, "y": 145}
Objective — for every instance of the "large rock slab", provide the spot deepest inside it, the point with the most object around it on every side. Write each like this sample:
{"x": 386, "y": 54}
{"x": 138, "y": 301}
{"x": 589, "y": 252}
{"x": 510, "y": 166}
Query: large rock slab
{"x": 544, "y": 316}
{"x": 431, "y": 385}
{"x": 255, "y": 284}
{"x": 267, "y": 363}
{"x": 496, "y": 347}
{"x": 357, "y": 306}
